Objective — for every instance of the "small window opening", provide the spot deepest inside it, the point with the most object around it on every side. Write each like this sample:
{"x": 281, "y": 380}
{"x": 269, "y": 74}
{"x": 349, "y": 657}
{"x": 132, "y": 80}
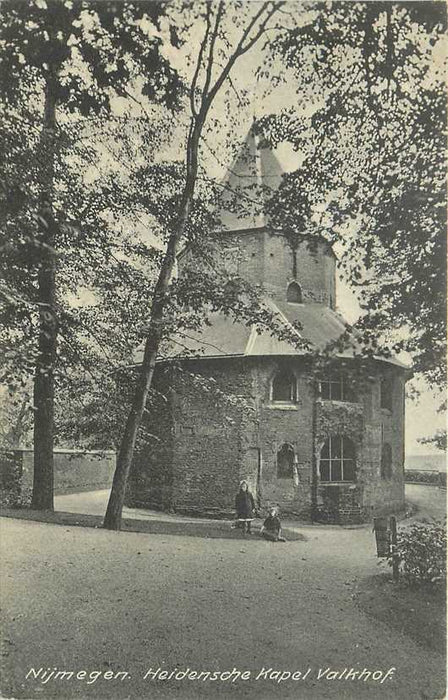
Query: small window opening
{"x": 386, "y": 461}
{"x": 284, "y": 387}
{"x": 285, "y": 462}
{"x": 386, "y": 393}
{"x": 294, "y": 293}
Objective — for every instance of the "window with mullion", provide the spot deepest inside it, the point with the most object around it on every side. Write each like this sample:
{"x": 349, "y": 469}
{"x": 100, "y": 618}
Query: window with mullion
{"x": 335, "y": 388}
{"x": 337, "y": 460}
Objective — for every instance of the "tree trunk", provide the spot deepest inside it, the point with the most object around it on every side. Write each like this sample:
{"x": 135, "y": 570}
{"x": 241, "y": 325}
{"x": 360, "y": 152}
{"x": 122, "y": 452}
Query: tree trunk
{"x": 112, "y": 519}
{"x": 314, "y": 477}
{"x": 42, "y": 498}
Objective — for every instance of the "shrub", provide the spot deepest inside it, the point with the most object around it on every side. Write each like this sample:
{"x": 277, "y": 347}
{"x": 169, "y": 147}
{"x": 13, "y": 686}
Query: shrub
{"x": 422, "y": 552}
{"x": 413, "y": 476}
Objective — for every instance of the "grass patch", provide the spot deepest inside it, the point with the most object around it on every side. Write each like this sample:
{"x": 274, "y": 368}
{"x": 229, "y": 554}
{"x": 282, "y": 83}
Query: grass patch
{"x": 418, "y": 612}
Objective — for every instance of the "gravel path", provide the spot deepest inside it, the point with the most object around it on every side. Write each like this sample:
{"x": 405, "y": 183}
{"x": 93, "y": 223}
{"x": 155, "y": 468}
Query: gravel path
{"x": 83, "y": 599}
{"x": 430, "y": 501}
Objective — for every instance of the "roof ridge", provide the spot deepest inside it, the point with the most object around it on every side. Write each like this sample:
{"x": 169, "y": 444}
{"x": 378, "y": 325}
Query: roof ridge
{"x": 251, "y": 341}
{"x": 284, "y": 317}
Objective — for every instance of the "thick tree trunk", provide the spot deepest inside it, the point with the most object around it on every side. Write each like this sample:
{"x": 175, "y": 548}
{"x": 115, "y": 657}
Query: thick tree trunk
{"x": 112, "y": 519}
{"x": 42, "y": 498}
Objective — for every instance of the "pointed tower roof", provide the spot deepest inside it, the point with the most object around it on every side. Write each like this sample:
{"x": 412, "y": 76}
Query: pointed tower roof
{"x": 253, "y": 177}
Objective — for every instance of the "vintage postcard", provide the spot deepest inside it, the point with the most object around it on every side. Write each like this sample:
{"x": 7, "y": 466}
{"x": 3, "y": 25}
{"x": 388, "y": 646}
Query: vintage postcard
{"x": 223, "y": 344}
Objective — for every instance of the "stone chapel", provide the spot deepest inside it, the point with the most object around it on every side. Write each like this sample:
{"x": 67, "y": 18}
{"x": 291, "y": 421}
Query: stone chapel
{"x": 327, "y": 447}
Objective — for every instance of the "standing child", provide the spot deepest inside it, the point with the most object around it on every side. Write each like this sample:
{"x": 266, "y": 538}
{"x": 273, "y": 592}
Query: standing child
{"x": 272, "y": 528}
{"x": 245, "y": 506}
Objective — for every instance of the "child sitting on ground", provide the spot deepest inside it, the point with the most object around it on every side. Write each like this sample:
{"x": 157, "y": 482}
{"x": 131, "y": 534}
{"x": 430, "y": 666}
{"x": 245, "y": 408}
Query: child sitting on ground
{"x": 272, "y": 528}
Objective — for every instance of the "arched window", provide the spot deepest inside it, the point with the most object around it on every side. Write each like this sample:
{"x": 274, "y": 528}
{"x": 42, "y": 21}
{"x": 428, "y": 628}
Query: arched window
{"x": 386, "y": 461}
{"x": 285, "y": 462}
{"x": 284, "y": 387}
{"x": 294, "y": 293}
{"x": 338, "y": 459}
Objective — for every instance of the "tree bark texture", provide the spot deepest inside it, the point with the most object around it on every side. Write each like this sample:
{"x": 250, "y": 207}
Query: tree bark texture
{"x": 43, "y": 479}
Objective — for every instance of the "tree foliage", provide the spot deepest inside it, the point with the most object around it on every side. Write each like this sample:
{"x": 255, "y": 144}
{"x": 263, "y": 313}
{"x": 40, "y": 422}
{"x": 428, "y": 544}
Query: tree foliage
{"x": 61, "y": 61}
{"x": 438, "y": 440}
{"x": 96, "y": 49}
{"x": 369, "y": 108}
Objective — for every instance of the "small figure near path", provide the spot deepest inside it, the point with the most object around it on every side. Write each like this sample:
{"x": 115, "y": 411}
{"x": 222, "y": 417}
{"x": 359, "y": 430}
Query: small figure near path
{"x": 272, "y": 528}
{"x": 245, "y": 507}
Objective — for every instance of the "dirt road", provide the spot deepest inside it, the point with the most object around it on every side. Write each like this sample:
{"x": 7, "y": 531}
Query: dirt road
{"x": 430, "y": 501}
{"x": 83, "y": 599}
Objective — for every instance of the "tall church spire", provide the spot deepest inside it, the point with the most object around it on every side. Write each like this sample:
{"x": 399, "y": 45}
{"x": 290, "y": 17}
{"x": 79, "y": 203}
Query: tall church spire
{"x": 253, "y": 177}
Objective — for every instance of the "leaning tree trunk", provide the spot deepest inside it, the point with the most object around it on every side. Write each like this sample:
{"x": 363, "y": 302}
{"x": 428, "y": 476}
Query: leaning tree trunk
{"x": 42, "y": 498}
{"x": 112, "y": 519}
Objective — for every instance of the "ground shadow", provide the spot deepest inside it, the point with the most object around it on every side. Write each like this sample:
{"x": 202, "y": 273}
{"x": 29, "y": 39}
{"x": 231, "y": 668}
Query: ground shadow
{"x": 418, "y": 612}
{"x": 207, "y": 530}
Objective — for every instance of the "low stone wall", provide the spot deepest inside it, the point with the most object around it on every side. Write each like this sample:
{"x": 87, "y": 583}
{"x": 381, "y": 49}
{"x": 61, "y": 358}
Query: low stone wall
{"x": 432, "y": 478}
{"x": 74, "y": 470}
{"x": 339, "y": 504}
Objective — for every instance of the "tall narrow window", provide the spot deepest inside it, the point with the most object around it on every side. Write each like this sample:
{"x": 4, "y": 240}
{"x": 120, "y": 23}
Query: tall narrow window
{"x": 337, "y": 459}
{"x": 386, "y": 393}
{"x": 285, "y": 461}
{"x": 284, "y": 387}
{"x": 294, "y": 293}
{"x": 386, "y": 461}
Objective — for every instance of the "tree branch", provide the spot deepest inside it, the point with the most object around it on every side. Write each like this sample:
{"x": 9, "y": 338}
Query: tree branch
{"x": 209, "y": 69}
{"x": 194, "y": 82}
{"x": 240, "y": 50}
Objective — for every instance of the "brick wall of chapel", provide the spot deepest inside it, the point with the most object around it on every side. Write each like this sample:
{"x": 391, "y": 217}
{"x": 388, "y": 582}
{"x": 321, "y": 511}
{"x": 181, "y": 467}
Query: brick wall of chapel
{"x": 150, "y": 483}
{"x": 365, "y": 422}
{"x": 265, "y": 258}
{"x": 210, "y": 442}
